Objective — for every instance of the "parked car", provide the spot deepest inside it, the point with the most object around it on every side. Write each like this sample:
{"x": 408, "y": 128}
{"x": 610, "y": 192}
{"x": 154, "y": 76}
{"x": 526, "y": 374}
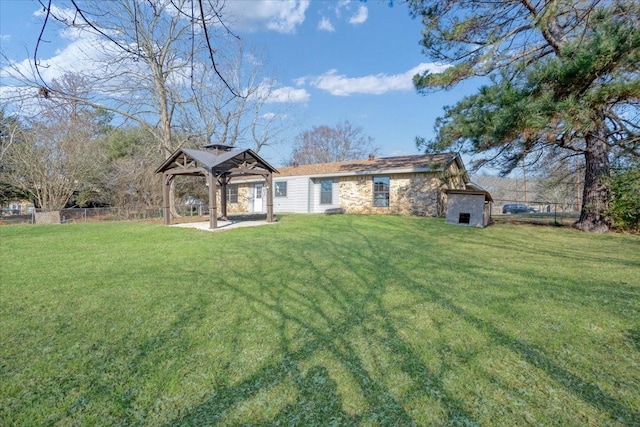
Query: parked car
{"x": 517, "y": 208}
{"x": 9, "y": 211}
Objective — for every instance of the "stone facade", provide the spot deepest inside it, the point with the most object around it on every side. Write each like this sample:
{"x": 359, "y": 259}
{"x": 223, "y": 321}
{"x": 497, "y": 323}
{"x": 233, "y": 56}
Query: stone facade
{"x": 409, "y": 194}
{"x": 244, "y": 199}
{"x": 417, "y": 186}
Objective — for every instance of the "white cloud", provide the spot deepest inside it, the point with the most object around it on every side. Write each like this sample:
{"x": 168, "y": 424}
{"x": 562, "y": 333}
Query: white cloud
{"x": 341, "y": 4}
{"x": 276, "y": 15}
{"x": 270, "y": 91}
{"x": 16, "y": 94}
{"x": 67, "y": 16}
{"x": 79, "y": 56}
{"x": 348, "y": 8}
{"x": 288, "y": 95}
{"x": 80, "y": 52}
{"x": 301, "y": 81}
{"x": 375, "y": 84}
{"x": 360, "y": 16}
{"x": 325, "y": 25}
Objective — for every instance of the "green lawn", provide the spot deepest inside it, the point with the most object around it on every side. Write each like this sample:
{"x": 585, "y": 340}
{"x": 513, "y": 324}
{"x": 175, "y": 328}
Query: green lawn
{"x": 325, "y": 320}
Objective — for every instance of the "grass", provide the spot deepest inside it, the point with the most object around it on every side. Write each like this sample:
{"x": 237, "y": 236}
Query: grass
{"x": 318, "y": 320}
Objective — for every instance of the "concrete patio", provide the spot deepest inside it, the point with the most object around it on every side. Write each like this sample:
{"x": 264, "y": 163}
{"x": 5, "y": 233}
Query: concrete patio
{"x": 235, "y": 221}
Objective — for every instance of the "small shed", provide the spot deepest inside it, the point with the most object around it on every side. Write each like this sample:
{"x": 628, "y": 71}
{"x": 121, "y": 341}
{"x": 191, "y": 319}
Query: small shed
{"x": 469, "y": 206}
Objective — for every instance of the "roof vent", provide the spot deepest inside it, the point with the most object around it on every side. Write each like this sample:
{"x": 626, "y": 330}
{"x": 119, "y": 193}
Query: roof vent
{"x": 219, "y": 147}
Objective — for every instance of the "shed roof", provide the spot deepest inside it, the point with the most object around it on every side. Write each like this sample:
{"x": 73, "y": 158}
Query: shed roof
{"x": 413, "y": 163}
{"x": 471, "y": 188}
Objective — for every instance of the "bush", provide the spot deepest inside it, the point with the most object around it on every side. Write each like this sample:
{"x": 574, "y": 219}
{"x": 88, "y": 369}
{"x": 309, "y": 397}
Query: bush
{"x": 625, "y": 202}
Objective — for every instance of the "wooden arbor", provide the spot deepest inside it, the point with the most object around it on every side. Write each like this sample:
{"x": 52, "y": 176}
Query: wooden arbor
{"x": 218, "y": 165}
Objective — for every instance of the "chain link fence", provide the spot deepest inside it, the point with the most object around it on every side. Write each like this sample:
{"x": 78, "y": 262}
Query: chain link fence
{"x": 512, "y": 211}
{"x": 76, "y": 215}
{"x": 535, "y": 212}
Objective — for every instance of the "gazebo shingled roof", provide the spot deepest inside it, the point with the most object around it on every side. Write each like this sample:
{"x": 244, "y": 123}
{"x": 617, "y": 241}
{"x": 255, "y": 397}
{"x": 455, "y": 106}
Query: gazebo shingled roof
{"x": 218, "y": 168}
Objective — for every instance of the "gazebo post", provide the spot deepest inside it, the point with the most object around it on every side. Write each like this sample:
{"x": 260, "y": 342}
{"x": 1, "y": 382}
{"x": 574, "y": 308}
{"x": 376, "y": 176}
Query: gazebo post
{"x": 269, "y": 197}
{"x": 213, "y": 210}
{"x": 223, "y": 199}
{"x": 166, "y": 211}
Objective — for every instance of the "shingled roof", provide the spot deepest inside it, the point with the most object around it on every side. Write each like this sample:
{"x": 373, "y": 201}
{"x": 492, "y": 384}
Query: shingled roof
{"x": 404, "y": 164}
{"x": 218, "y": 161}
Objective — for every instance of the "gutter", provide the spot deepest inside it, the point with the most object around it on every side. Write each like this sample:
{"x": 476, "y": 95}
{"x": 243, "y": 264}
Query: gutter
{"x": 365, "y": 172}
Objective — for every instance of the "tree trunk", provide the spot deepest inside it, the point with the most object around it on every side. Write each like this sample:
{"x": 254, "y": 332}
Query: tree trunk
{"x": 595, "y": 194}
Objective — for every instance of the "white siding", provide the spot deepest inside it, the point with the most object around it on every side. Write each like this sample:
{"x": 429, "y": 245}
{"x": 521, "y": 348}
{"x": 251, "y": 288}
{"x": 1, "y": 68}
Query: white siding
{"x": 303, "y": 195}
{"x": 297, "y": 197}
{"x": 316, "y": 206}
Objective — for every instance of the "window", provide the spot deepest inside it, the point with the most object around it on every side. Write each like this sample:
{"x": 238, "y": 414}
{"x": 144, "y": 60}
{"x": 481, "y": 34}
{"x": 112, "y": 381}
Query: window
{"x": 281, "y": 189}
{"x": 232, "y": 194}
{"x": 326, "y": 192}
{"x": 381, "y": 191}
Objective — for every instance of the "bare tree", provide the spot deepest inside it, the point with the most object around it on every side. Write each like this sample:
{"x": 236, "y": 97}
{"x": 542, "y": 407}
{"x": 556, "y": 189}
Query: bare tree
{"x": 55, "y": 152}
{"x": 149, "y": 53}
{"x": 171, "y": 66}
{"x": 323, "y": 144}
{"x": 249, "y": 120}
{"x": 156, "y": 63}
{"x": 139, "y": 55}
{"x": 10, "y": 131}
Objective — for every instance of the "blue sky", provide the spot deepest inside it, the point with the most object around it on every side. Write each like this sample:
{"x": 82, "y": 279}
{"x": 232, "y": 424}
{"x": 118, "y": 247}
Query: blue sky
{"x": 337, "y": 60}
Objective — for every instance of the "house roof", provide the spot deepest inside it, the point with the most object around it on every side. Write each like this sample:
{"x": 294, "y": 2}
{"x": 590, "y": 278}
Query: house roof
{"x": 397, "y": 164}
{"x": 220, "y": 161}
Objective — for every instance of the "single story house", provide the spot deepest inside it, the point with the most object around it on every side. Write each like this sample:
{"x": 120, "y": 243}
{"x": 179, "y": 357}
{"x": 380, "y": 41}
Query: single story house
{"x": 469, "y": 206}
{"x": 404, "y": 185}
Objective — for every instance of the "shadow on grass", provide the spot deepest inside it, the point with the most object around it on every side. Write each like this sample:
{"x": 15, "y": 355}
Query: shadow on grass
{"x": 317, "y": 401}
{"x": 586, "y": 391}
{"x": 119, "y": 373}
{"x": 318, "y": 395}
{"x": 581, "y": 388}
{"x": 633, "y": 335}
{"x": 383, "y": 408}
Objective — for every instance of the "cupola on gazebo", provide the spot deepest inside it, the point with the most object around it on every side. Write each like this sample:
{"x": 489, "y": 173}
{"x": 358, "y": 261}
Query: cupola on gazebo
{"x": 219, "y": 164}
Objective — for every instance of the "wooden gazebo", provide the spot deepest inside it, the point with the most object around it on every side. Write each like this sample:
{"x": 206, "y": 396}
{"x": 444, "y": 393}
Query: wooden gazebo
{"x": 219, "y": 164}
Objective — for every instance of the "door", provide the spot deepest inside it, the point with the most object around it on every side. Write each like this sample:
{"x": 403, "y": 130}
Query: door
{"x": 258, "y": 198}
